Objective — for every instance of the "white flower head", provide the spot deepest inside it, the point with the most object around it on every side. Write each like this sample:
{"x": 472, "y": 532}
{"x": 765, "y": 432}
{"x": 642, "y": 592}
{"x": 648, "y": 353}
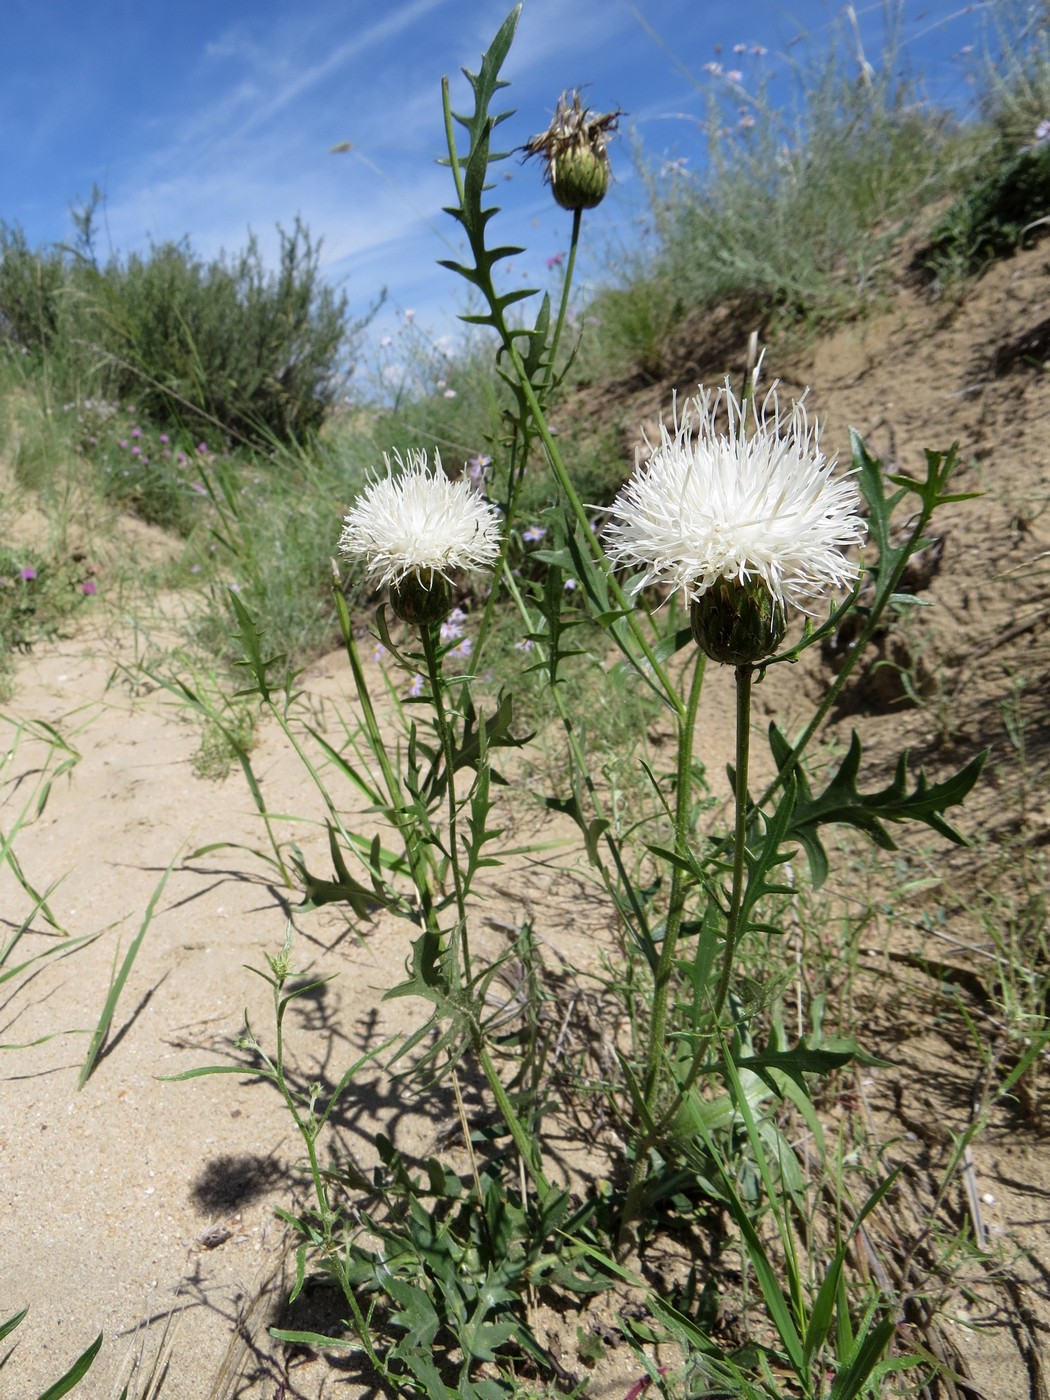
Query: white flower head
{"x": 418, "y": 522}
{"x": 756, "y": 500}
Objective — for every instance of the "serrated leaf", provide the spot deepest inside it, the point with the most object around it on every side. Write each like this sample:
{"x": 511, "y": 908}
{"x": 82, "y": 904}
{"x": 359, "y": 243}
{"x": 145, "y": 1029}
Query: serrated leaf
{"x": 344, "y": 889}
{"x": 842, "y": 803}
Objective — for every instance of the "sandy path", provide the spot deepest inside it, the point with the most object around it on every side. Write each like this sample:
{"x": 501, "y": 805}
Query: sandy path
{"x": 112, "y": 1187}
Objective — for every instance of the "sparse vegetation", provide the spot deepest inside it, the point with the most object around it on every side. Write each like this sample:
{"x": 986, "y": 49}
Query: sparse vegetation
{"x": 680, "y": 1126}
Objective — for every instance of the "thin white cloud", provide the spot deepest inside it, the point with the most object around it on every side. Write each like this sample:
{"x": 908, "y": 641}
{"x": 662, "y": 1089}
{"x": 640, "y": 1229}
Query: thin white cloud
{"x": 396, "y": 23}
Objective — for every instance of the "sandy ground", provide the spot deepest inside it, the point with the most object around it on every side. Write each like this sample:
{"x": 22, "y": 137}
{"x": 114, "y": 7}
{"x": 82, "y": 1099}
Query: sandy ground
{"x": 145, "y": 1209}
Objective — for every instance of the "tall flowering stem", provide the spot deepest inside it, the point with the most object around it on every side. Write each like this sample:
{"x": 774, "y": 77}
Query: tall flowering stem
{"x": 530, "y": 372}
{"x": 444, "y": 730}
{"x": 664, "y": 974}
{"x": 744, "y": 677}
{"x": 570, "y": 267}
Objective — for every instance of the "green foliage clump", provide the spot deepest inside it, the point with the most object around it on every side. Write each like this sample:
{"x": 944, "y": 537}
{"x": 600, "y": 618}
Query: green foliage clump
{"x": 225, "y": 343}
{"x": 31, "y": 283}
{"x": 995, "y": 213}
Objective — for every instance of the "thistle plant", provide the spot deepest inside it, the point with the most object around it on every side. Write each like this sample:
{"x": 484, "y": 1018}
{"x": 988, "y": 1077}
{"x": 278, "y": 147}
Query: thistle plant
{"x": 737, "y": 514}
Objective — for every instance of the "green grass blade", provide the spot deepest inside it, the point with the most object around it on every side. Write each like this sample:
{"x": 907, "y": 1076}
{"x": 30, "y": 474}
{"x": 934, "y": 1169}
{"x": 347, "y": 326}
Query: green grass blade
{"x": 75, "y": 1374}
{"x": 320, "y": 1341}
{"x": 68, "y": 945}
{"x": 831, "y": 1293}
{"x": 870, "y": 1346}
{"x": 23, "y": 927}
{"x": 6, "y": 1328}
{"x": 106, "y": 1019}
{"x": 245, "y": 1071}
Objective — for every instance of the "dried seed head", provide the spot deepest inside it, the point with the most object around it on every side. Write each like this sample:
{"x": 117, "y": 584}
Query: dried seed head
{"x": 573, "y": 149}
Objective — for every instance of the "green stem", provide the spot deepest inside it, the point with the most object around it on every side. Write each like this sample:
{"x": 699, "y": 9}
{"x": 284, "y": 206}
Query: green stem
{"x": 744, "y": 676}
{"x": 665, "y": 966}
{"x": 576, "y": 506}
{"x": 305, "y": 1132}
{"x": 445, "y": 735}
{"x": 517, "y": 473}
{"x": 415, "y": 852}
{"x": 516, "y": 476}
{"x": 577, "y": 218}
{"x": 669, "y": 946}
{"x": 483, "y": 282}
{"x": 579, "y": 760}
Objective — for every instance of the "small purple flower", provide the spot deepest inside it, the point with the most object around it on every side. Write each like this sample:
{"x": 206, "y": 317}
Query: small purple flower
{"x": 136, "y": 451}
{"x": 378, "y": 651}
{"x": 164, "y": 437}
{"x": 525, "y": 644}
{"x": 415, "y": 690}
{"x": 465, "y": 647}
{"x": 556, "y": 260}
{"x": 534, "y": 534}
{"x": 122, "y": 442}
{"x": 89, "y": 587}
{"x": 570, "y": 585}
{"x": 478, "y": 469}
{"x": 452, "y": 627}
{"x": 136, "y": 432}
{"x": 180, "y": 457}
{"x": 202, "y": 447}
{"x": 28, "y": 574}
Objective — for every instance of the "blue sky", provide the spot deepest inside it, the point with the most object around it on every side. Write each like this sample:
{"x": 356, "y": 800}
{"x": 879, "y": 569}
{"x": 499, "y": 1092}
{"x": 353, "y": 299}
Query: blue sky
{"x": 207, "y": 118}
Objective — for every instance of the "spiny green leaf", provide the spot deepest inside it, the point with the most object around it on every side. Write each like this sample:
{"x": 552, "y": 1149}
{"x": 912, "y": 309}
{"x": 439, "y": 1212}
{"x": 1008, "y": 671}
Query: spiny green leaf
{"x": 841, "y": 802}
{"x": 254, "y": 662}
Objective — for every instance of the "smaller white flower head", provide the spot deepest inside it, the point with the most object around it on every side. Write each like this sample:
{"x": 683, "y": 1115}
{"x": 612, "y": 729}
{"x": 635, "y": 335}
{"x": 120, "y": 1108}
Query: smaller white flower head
{"x": 419, "y": 521}
{"x": 755, "y": 500}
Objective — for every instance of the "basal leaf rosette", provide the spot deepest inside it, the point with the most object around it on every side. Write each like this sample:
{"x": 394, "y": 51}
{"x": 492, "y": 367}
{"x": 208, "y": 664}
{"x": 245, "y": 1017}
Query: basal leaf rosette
{"x": 414, "y": 528}
{"x": 737, "y": 507}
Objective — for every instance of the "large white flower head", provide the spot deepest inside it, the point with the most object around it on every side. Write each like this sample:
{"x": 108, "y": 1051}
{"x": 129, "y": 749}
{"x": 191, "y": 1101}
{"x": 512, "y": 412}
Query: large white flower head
{"x": 414, "y": 528}
{"x": 418, "y": 521}
{"x": 754, "y": 499}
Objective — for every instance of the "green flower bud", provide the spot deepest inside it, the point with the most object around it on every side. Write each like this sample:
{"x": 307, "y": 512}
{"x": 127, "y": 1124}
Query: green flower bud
{"x": 421, "y": 603}
{"x": 580, "y": 177}
{"x": 576, "y": 165}
{"x": 737, "y": 623}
